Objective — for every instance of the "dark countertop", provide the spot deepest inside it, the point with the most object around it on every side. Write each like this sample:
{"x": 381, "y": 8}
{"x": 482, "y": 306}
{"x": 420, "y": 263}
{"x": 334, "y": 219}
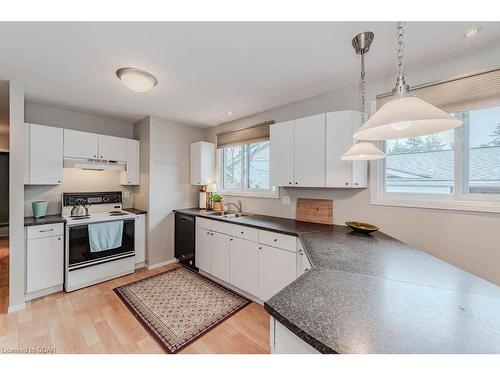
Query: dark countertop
{"x": 375, "y": 294}
{"x": 135, "y": 211}
{"x": 49, "y": 219}
{"x": 272, "y": 223}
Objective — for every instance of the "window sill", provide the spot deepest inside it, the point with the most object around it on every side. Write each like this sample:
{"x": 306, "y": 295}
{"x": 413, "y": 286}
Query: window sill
{"x": 255, "y": 194}
{"x": 447, "y": 204}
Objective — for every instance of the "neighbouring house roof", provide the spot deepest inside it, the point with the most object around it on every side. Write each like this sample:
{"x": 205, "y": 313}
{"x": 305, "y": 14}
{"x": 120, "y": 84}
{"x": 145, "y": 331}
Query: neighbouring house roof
{"x": 438, "y": 165}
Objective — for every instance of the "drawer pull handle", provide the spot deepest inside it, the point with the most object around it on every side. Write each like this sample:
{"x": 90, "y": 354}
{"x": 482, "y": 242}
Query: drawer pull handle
{"x": 46, "y": 230}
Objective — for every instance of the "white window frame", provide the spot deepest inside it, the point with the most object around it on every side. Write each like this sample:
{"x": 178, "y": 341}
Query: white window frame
{"x": 273, "y": 192}
{"x": 455, "y": 201}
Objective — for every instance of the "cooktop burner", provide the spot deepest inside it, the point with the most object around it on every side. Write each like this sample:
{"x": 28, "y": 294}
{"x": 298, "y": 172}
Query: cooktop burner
{"x": 117, "y": 213}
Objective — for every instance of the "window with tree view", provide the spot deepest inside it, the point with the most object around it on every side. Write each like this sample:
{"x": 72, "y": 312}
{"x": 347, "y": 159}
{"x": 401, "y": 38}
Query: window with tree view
{"x": 457, "y": 162}
{"x": 245, "y": 167}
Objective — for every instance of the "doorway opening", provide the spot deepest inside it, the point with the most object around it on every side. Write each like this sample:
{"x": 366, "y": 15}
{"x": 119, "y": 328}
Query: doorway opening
{"x": 4, "y": 231}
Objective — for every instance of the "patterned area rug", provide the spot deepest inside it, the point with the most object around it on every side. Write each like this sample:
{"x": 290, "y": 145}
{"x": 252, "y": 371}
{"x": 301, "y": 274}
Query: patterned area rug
{"x": 179, "y": 305}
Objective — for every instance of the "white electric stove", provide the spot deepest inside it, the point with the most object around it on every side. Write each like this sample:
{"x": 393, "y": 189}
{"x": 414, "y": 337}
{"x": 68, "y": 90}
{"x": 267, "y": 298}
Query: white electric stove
{"x": 82, "y": 266}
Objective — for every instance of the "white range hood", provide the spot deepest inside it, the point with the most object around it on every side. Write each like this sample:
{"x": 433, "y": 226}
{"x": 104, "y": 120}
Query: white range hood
{"x": 96, "y": 165}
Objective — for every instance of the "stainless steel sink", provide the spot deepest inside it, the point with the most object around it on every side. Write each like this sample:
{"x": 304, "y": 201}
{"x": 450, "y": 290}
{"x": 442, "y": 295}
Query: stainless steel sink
{"x": 228, "y": 215}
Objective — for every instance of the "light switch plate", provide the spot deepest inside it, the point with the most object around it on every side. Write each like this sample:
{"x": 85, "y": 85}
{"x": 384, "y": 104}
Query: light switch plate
{"x": 285, "y": 200}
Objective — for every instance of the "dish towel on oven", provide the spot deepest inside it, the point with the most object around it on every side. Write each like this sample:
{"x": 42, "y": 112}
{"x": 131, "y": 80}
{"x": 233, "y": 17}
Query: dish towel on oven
{"x": 105, "y": 236}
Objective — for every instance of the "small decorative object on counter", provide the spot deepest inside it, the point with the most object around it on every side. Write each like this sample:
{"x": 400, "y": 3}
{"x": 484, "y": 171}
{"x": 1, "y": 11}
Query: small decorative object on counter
{"x": 217, "y": 202}
{"x": 39, "y": 209}
{"x": 362, "y": 227}
{"x": 203, "y": 198}
{"x": 210, "y": 189}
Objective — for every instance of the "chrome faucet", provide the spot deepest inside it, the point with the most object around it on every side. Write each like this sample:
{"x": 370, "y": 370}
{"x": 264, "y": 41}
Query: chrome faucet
{"x": 238, "y": 206}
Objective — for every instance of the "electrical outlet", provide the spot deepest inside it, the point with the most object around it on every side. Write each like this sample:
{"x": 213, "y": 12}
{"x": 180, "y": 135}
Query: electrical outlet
{"x": 285, "y": 200}
{"x": 126, "y": 194}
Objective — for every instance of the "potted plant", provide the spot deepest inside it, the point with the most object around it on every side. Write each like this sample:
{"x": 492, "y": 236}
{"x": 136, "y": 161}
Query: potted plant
{"x": 217, "y": 200}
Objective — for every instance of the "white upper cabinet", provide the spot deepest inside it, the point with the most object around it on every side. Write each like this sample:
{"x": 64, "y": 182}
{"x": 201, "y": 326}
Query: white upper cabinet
{"x": 80, "y": 144}
{"x": 340, "y": 126}
{"x": 306, "y": 152}
{"x": 281, "y": 154}
{"x": 297, "y": 155}
{"x": 26, "y": 154}
{"x": 310, "y": 151}
{"x": 45, "y": 155}
{"x": 202, "y": 163}
{"x": 131, "y": 175}
{"x": 112, "y": 148}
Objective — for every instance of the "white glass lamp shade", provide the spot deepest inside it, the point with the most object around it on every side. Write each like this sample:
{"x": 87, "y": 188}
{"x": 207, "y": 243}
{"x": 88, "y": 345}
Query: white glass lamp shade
{"x": 136, "y": 79}
{"x": 211, "y": 188}
{"x": 363, "y": 151}
{"x": 404, "y": 117}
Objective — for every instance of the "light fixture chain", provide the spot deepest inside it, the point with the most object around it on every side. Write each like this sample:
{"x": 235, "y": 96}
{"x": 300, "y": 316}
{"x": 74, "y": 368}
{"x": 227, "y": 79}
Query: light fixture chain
{"x": 363, "y": 89}
{"x": 400, "y": 48}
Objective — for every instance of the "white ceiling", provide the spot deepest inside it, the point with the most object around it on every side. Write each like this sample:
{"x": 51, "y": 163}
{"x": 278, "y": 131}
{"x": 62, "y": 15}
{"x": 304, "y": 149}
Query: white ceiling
{"x": 206, "y": 69}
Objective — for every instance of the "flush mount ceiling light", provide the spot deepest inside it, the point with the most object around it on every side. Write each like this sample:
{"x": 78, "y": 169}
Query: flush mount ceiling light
{"x": 406, "y": 115}
{"x": 136, "y": 79}
{"x": 363, "y": 150}
{"x": 472, "y": 32}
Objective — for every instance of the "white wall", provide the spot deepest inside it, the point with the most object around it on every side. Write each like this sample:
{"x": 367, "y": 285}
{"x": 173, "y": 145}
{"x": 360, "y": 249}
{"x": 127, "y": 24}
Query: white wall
{"x": 16, "y": 181}
{"x": 168, "y": 180}
{"x": 465, "y": 239}
{"x": 75, "y": 180}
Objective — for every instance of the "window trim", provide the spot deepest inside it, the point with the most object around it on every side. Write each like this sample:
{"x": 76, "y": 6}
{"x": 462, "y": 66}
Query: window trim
{"x": 458, "y": 201}
{"x": 273, "y": 192}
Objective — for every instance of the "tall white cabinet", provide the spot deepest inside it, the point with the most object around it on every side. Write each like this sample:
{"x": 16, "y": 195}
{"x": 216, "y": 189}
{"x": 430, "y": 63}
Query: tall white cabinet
{"x": 202, "y": 163}
{"x": 131, "y": 175}
{"x": 45, "y": 154}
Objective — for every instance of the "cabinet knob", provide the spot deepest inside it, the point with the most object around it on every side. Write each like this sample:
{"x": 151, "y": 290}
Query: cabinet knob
{"x": 59, "y": 238}
{"x": 230, "y": 239}
{"x": 211, "y": 234}
{"x": 347, "y": 184}
{"x": 307, "y": 269}
{"x": 208, "y": 232}
{"x": 289, "y": 183}
{"x": 356, "y": 184}
{"x": 296, "y": 183}
{"x": 95, "y": 156}
{"x": 275, "y": 240}
{"x": 260, "y": 247}
{"x": 242, "y": 232}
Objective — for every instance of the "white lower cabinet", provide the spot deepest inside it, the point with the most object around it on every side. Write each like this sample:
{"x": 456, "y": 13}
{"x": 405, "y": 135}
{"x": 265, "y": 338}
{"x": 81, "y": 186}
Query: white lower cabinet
{"x": 203, "y": 253}
{"x": 303, "y": 264}
{"x": 44, "y": 259}
{"x": 245, "y": 265}
{"x": 140, "y": 240}
{"x": 277, "y": 269}
{"x": 283, "y": 341}
{"x": 220, "y": 256}
{"x": 258, "y": 262}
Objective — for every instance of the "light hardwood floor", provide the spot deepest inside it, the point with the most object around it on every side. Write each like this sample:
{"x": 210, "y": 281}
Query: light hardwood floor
{"x": 4, "y": 274}
{"x": 94, "y": 320}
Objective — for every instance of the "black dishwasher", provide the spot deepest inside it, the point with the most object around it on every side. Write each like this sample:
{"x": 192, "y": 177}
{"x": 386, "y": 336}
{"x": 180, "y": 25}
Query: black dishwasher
{"x": 185, "y": 239}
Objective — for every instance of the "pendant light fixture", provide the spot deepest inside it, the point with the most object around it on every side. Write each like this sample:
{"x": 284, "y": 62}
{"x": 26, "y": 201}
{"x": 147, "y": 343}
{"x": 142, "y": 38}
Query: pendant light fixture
{"x": 363, "y": 150}
{"x": 406, "y": 115}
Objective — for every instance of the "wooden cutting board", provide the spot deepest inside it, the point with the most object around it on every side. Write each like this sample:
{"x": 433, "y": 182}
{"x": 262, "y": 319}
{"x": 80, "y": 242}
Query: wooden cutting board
{"x": 315, "y": 210}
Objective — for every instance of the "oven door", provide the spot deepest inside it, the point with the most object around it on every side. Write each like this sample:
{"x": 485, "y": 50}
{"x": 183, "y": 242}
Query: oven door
{"x": 79, "y": 254}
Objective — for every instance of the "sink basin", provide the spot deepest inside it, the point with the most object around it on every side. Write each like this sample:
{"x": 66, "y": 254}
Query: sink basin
{"x": 228, "y": 215}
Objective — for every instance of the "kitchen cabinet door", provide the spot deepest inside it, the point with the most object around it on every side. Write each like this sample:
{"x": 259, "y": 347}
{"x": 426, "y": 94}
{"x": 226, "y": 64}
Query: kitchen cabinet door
{"x": 140, "y": 239}
{"x": 340, "y": 126}
{"x": 80, "y": 144}
{"x": 303, "y": 264}
{"x": 46, "y": 155}
{"x": 281, "y": 154}
{"x": 203, "y": 253}
{"x": 26, "y": 154}
{"x": 277, "y": 269}
{"x": 202, "y": 163}
{"x": 220, "y": 257}
{"x": 112, "y": 148}
{"x": 44, "y": 263}
{"x": 310, "y": 151}
{"x": 131, "y": 175}
{"x": 245, "y": 265}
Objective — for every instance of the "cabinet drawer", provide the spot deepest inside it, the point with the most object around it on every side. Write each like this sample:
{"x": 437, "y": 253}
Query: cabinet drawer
{"x": 221, "y": 227}
{"x": 46, "y": 230}
{"x": 244, "y": 232}
{"x": 278, "y": 240}
{"x": 203, "y": 223}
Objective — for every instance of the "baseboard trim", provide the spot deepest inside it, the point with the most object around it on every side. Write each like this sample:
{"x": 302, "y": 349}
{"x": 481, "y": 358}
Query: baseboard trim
{"x": 12, "y": 309}
{"x": 161, "y": 264}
